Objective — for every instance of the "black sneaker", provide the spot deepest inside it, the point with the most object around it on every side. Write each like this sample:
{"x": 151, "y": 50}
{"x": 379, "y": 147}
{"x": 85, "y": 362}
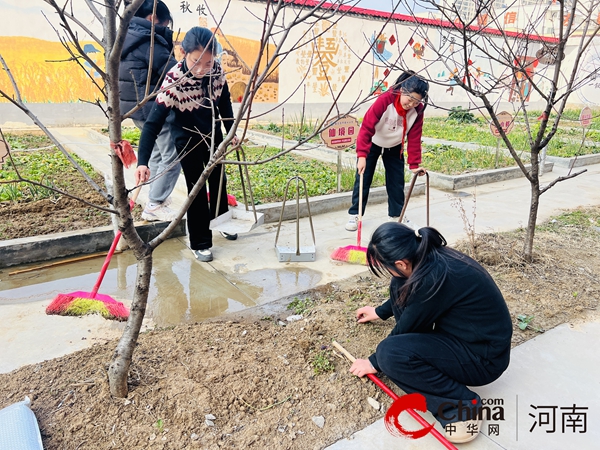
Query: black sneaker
{"x": 203, "y": 255}
{"x": 229, "y": 237}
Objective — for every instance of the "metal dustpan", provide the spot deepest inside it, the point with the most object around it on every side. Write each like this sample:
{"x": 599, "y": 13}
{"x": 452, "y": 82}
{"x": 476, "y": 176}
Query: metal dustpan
{"x": 237, "y": 220}
{"x": 298, "y": 253}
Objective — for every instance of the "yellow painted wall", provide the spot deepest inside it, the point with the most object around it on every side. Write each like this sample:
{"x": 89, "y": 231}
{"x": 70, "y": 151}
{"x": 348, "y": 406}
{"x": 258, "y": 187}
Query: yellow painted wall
{"x": 42, "y": 81}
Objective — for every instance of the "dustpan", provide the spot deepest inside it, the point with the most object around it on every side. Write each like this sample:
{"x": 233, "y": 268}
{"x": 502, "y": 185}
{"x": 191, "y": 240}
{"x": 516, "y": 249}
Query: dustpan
{"x": 237, "y": 220}
{"x": 298, "y": 253}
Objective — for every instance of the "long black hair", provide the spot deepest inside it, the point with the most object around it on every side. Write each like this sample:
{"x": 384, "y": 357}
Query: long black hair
{"x": 199, "y": 38}
{"x": 425, "y": 249}
{"x": 162, "y": 11}
{"x": 409, "y": 81}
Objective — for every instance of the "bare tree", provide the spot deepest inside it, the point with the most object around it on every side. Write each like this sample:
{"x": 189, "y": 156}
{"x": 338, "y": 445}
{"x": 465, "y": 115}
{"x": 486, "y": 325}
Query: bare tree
{"x": 528, "y": 56}
{"x": 279, "y": 22}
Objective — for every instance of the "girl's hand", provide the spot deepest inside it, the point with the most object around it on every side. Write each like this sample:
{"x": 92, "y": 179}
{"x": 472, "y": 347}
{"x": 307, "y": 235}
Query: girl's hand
{"x": 142, "y": 174}
{"x": 235, "y": 141}
{"x": 362, "y": 367}
{"x": 366, "y": 314}
{"x": 361, "y": 164}
{"x": 419, "y": 170}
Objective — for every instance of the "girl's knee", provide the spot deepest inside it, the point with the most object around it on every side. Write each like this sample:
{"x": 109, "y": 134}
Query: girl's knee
{"x": 391, "y": 357}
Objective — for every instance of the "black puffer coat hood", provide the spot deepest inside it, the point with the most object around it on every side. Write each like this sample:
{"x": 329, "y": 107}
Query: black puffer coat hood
{"x": 135, "y": 58}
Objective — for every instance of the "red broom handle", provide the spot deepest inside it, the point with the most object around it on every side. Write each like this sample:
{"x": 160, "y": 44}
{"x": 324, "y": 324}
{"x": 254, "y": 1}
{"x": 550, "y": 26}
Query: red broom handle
{"x": 112, "y": 249}
{"x": 415, "y": 415}
{"x": 394, "y": 397}
{"x": 106, "y": 264}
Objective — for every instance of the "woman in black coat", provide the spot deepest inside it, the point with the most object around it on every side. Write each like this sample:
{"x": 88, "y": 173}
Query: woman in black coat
{"x": 133, "y": 79}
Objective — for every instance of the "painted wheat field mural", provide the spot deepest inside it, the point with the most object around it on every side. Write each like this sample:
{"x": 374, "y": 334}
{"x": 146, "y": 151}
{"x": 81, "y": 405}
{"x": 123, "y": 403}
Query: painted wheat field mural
{"x": 41, "y": 79}
{"x": 46, "y": 73}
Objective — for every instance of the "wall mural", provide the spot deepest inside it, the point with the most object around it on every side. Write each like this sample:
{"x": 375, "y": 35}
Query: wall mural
{"x": 328, "y": 55}
{"x": 325, "y": 59}
{"x": 590, "y": 68}
{"x": 45, "y": 73}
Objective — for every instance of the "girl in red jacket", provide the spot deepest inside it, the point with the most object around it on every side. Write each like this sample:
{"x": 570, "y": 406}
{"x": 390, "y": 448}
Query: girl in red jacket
{"x": 393, "y": 123}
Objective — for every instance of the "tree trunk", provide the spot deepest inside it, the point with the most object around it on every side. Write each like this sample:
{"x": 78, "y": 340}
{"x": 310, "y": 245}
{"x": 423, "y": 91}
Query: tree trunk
{"x": 119, "y": 367}
{"x": 533, "y": 207}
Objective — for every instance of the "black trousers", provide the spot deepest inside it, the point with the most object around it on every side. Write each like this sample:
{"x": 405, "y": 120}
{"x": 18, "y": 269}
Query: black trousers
{"x": 201, "y": 212}
{"x": 439, "y": 367}
{"x": 393, "y": 161}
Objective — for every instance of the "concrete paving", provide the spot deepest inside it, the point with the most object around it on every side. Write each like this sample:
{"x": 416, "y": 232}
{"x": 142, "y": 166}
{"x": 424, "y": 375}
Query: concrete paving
{"x": 544, "y": 372}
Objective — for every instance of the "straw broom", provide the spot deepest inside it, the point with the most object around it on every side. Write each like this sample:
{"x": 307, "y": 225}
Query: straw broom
{"x": 355, "y": 254}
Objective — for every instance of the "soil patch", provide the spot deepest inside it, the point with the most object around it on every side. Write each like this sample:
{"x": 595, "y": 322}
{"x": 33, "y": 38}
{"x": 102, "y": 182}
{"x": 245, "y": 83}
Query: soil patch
{"x": 58, "y": 213}
{"x": 252, "y": 381}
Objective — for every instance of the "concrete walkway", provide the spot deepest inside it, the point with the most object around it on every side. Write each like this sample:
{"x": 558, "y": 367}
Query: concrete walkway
{"x": 554, "y": 370}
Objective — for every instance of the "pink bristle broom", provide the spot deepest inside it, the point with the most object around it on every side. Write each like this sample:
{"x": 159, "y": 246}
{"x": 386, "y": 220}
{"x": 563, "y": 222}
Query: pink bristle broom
{"x": 354, "y": 253}
{"x": 81, "y": 302}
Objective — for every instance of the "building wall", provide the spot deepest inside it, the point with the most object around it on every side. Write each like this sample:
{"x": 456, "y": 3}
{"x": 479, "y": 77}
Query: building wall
{"x": 346, "y": 58}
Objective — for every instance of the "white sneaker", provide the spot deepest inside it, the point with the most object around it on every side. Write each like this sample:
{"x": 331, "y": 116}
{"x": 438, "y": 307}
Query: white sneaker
{"x": 409, "y": 223}
{"x": 158, "y": 213}
{"x": 352, "y": 224}
{"x": 462, "y": 432}
{"x": 167, "y": 201}
{"x": 203, "y": 255}
{"x": 393, "y": 218}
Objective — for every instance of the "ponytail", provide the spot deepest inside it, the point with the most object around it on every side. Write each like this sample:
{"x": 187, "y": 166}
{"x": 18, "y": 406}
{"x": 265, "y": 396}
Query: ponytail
{"x": 425, "y": 249}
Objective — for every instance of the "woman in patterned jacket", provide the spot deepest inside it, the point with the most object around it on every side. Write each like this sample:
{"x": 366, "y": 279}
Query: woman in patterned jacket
{"x": 195, "y": 102}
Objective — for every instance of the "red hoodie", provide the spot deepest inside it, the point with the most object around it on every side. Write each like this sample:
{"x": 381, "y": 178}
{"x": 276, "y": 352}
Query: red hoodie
{"x": 383, "y": 126}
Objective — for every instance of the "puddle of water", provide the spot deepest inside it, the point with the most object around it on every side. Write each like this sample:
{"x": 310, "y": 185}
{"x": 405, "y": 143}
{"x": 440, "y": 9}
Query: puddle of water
{"x": 181, "y": 289}
{"x": 277, "y": 283}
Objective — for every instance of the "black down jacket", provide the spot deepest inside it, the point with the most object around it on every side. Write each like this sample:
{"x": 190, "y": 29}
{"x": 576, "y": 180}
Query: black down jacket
{"x": 135, "y": 58}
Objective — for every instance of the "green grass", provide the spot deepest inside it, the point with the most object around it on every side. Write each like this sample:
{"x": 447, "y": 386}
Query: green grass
{"x": 291, "y": 130}
{"x": 566, "y": 143}
{"x": 27, "y": 141}
{"x": 48, "y": 167}
{"x": 131, "y": 134}
{"x": 301, "y": 305}
{"x": 570, "y": 117}
{"x": 580, "y": 218}
{"x": 440, "y": 128}
{"x": 454, "y": 161}
{"x": 269, "y": 180}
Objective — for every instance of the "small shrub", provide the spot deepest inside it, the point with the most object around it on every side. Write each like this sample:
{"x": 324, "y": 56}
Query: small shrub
{"x": 460, "y": 115}
{"x": 300, "y": 305}
{"x": 321, "y": 364}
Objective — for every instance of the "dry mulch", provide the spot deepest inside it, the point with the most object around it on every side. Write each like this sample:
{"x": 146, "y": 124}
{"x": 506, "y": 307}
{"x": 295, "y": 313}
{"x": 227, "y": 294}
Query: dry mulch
{"x": 247, "y": 381}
